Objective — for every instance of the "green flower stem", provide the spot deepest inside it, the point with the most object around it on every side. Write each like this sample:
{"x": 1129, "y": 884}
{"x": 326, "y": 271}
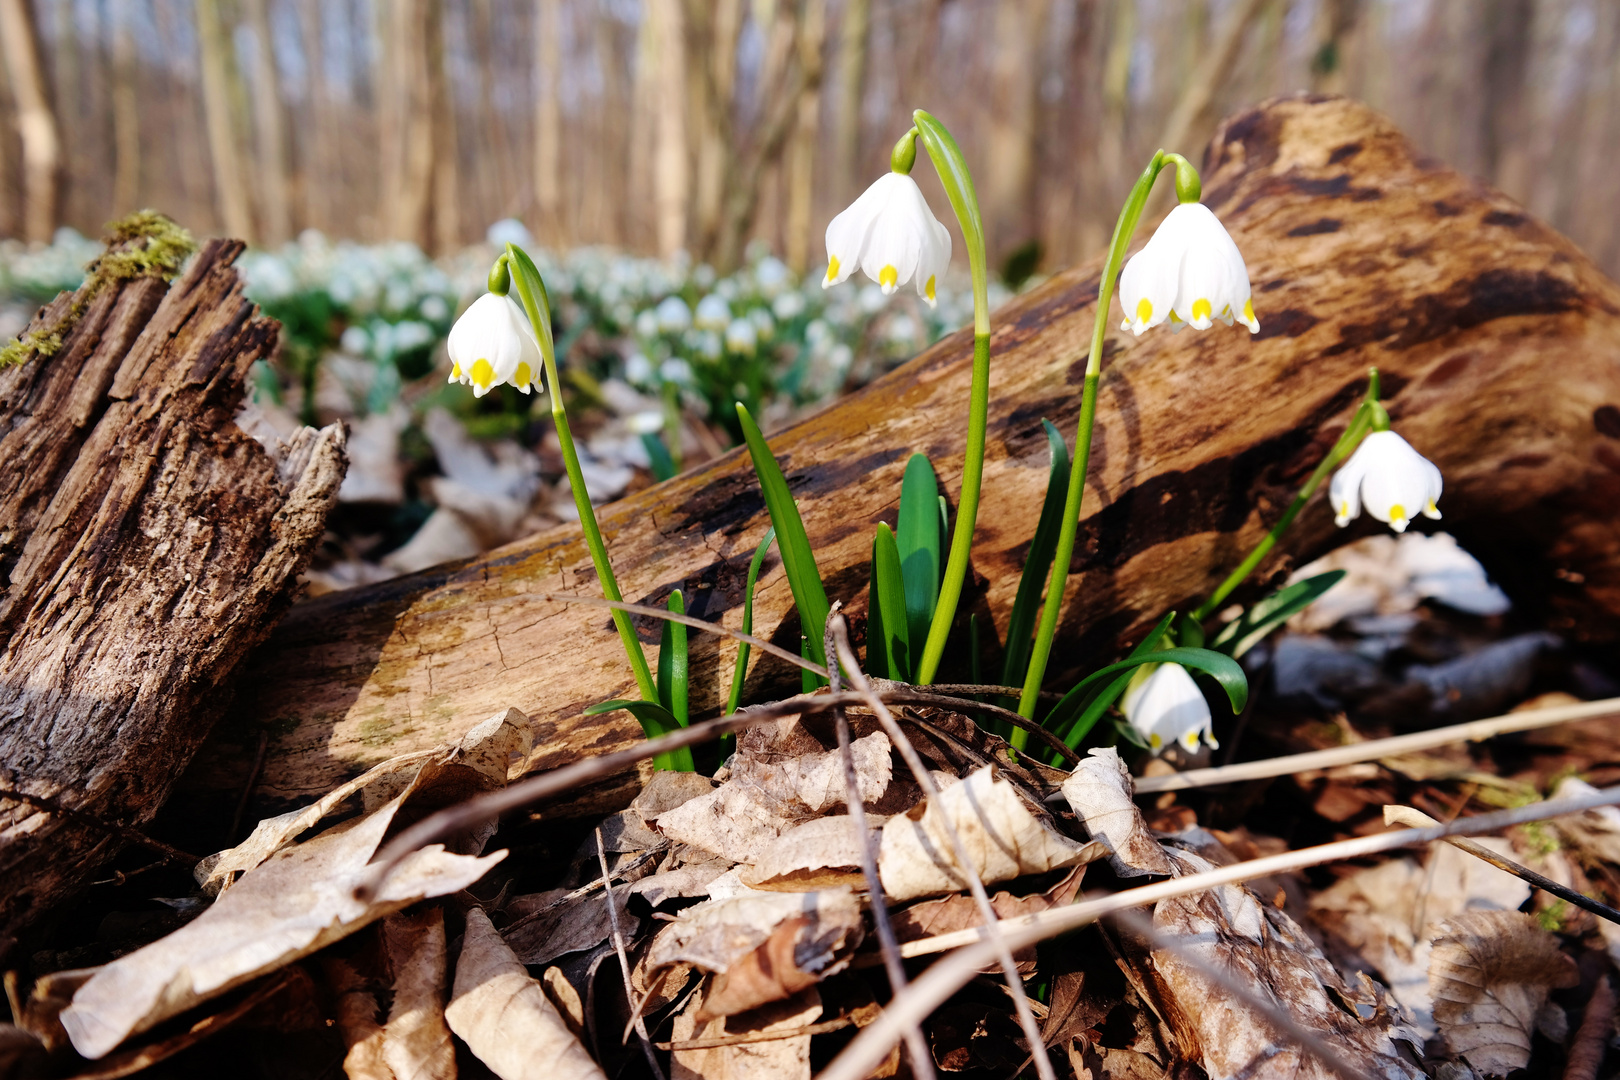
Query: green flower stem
{"x": 1366, "y": 419}
{"x": 531, "y": 290}
{"x": 958, "y": 182}
{"x": 1186, "y": 184}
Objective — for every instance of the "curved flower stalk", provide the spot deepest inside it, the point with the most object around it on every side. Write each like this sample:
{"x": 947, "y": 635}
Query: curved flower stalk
{"x": 1190, "y": 273}
{"x": 1165, "y": 706}
{"x": 493, "y": 343}
{"x": 494, "y": 329}
{"x": 1390, "y": 479}
{"x": 892, "y": 235}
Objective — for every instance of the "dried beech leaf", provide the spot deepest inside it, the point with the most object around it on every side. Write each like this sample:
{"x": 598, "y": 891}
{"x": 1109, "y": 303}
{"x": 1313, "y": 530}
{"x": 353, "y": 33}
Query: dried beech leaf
{"x": 717, "y": 934}
{"x": 1230, "y": 930}
{"x": 1099, "y": 790}
{"x": 736, "y": 821}
{"x": 575, "y": 924}
{"x": 1002, "y": 836}
{"x": 40, "y": 1012}
{"x": 1490, "y": 974}
{"x": 690, "y": 880}
{"x": 505, "y": 1017}
{"x": 952, "y": 913}
{"x": 770, "y": 1059}
{"x": 357, "y": 1020}
{"x": 815, "y": 855}
{"x": 800, "y": 952}
{"x": 485, "y": 749}
{"x": 416, "y": 1042}
{"x": 816, "y": 780}
{"x": 565, "y": 999}
{"x": 299, "y": 900}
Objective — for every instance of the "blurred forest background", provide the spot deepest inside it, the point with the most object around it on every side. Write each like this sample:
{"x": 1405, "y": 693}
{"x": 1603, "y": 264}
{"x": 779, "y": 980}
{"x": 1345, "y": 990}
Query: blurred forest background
{"x": 659, "y": 126}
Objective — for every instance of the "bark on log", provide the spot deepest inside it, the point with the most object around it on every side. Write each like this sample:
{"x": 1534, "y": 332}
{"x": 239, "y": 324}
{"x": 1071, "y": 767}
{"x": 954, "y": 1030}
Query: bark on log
{"x": 1497, "y": 340}
{"x": 146, "y": 544}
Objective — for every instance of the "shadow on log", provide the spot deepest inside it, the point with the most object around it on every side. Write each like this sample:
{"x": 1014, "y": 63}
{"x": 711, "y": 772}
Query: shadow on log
{"x": 146, "y": 544}
{"x": 1497, "y": 339}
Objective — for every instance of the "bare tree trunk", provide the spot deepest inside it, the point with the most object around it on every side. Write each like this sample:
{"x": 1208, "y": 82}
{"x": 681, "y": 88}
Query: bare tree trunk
{"x": 802, "y": 152}
{"x": 1116, "y": 99}
{"x": 230, "y": 184}
{"x": 407, "y": 88}
{"x": 317, "y": 157}
{"x": 606, "y": 170}
{"x": 713, "y": 27}
{"x": 1508, "y": 25}
{"x": 503, "y": 194}
{"x": 1196, "y": 107}
{"x": 852, "y": 33}
{"x": 41, "y": 145}
{"x": 548, "y": 195}
{"x": 125, "y": 114}
{"x": 1020, "y": 29}
{"x": 445, "y": 154}
{"x": 270, "y": 129}
{"x": 642, "y": 217}
{"x": 670, "y": 165}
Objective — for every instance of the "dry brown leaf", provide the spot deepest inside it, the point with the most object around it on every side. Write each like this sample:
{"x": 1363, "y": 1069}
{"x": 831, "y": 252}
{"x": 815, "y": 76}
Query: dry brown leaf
{"x": 736, "y": 821}
{"x": 815, "y": 780}
{"x": 692, "y": 879}
{"x": 1230, "y": 930}
{"x": 39, "y": 1013}
{"x": 717, "y": 934}
{"x": 299, "y": 900}
{"x": 1002, "y": 836}
{"x": 800, "y": 952}
{"x": 22, "y": 1056}
{"x": 485, "y": 750}
{"x": 1490, "y": 974}
{"x": 1594, "y": 833}
{"x": 574, "y": 924}
{"x": 357, "y": 1020}
{"x": 416, "y": 1042}
{"x": 1099, "y": 790}
{"x": 951, "y": 913}
{"x": 768, "y": 1059}
{"x": 815, "y": 855}
{"x": 505, "y": 1017}
{"x": 565, "y": 999}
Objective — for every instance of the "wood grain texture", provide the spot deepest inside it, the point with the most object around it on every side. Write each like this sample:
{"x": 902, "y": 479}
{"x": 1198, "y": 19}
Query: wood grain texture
{"x": 146, "y": 544}
{"x": 1497, "y": 338}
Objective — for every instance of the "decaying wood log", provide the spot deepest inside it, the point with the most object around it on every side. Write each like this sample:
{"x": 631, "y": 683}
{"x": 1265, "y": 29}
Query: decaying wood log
{"x": 146, "y": 544}
{"x": 1497, "y": 340}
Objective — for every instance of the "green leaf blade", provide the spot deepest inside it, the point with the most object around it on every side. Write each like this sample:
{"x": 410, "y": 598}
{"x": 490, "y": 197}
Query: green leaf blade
{"x": 1038, "y": 565}
{"x": 919, "y": 542}
{"x": 673, "y": 662}
{"x": 743, "y": 648}
{"x": 655, "y": 720}
{"x": 1250, "y": 628}
{"x": 892, "y": 638}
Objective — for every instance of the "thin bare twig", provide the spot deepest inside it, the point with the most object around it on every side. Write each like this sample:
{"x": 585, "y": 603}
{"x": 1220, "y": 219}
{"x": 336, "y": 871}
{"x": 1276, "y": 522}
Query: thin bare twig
{"x": 123, "y": 832}
{"x": 922, "y": 1061}
{"x": 904, "y": 694}
{"x": 624, "y": 961}
{"x": 235, "y": 834}
{"x": 959, "y": 689}
{"x": 1417, "y": 819}
{"x": 1280, "y": 1021}
{"x": 745, "y": 1037}
{"x": 992, "y": 933}
{"x": 952, "y": 972}
{"x": 1474, "y": 731}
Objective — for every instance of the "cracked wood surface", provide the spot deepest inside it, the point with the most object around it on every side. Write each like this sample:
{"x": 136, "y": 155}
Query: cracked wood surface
{"x": 1497, "y": 339}
{"x": 146, "y": 544}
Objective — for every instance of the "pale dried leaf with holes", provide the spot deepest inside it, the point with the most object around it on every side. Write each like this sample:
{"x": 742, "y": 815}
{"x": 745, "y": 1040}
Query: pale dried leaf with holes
{"x": 799, "y": 953}
{"x": 765, "y": 1059}
{"x": 1230, "y": 930}
{"x": 300, "y": 899}
{"x": 961, "y": 912}
{"x": 479, "y": 761}
{"x": 1099, "y": 790}
{"x": 1490, "y": 973}
{"x": 717, "y": 934}
{"x": 1000, "y": 832}
{"x": 416, "y": 1042}
{"x": 505, "y": 1017}
{"x": 815, "y": 855}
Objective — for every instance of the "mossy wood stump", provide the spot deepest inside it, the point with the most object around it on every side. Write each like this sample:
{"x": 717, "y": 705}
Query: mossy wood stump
{"x": 1499, "y": 344}
{"x": 146, "y": 543}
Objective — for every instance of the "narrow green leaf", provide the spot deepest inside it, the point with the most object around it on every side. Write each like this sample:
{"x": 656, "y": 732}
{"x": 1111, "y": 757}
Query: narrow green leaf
{"x": 919, "y": 540}
{"x": 1102, "y": 696}
{"x": 661, "y": 464}
{"x": 798, "y": 561}
{"x": 1027, "y": 604}
{"x": 743, "y": 648}
{"x": 1226, "y": 671}
{"x": 673, "y": 662}
{"x": 807, "y": 682}
{"x": 1250, "y": 628}
{"x": 890, "y": 648}
{"x": 655, "y": 721}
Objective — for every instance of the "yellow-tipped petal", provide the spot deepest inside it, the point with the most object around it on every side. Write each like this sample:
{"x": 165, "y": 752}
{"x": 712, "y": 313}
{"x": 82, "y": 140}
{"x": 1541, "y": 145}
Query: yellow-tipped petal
{"x": 1248, "y": 311}
{"x": 455, "y": 370}
{"x": 832, "y": 271}
{"x": 1144, "y": 310}
{"x": 928, "y": 290}
{"x": 1201, "y": 309}
{"x": 483, "y": 373}
{"x": 1155, "y": 741}
{"x": 524, "y": 375}
{"x": 888, "y": 277}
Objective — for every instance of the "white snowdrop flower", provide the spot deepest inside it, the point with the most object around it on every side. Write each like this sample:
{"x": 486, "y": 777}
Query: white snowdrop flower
{"x": 741, "y": 337}
{"x": 1189, "y": 274}
{"x": 1389, "y": 478}
{"x": 788, "y": 306}
{"x": 638, "y": 369}
{"x": 675, "y": 370}
{"x": 673, "y": 315}
{"x": 764, "y": 325}
{"x": 492, "y": 344}
{"x": 713, "y": 313}
{"x": 1164, "y": 705}
{"x": 647, "y": 323}
{"x": 892, "y": 235}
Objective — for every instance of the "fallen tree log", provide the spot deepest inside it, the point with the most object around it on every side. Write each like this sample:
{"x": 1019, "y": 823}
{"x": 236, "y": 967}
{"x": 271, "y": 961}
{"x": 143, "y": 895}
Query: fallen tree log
{"x": 1497, "y": 341}
{"x": 146, "y": 544}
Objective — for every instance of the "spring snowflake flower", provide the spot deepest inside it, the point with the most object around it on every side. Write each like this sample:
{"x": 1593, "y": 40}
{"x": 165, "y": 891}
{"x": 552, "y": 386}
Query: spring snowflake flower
{"x": 1189, "y": 274}
{"x": 713, "y": 313}
{"x": 491, "y": 344}
{"x": 1164, "y": 705}
{"x": 892, "y": 235}
{"x": 1389, "y": 478}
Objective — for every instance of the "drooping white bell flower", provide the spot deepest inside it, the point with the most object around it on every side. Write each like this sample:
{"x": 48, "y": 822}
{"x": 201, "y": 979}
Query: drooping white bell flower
{"x": 713, "y": 313}
{"x": 1189, "y": 274}
{"x": 1164, "y": 704}
{"x": 892, "y": 235}
{"x": 491, "y": 344}
{"x": 1388, "y": 477}
{"x": 741, "y": 337}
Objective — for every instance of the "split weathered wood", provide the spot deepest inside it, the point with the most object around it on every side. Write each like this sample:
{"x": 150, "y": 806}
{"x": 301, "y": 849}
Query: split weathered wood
{"x": 1496, "y": 337}
{"x": 146, "y": 544}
